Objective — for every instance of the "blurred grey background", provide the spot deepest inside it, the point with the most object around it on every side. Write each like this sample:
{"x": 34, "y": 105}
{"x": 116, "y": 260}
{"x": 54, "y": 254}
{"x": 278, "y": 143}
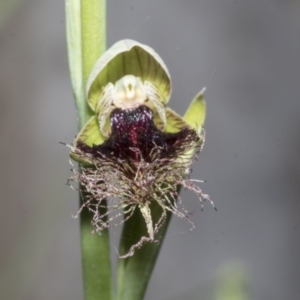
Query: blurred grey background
{"x": 247, "y": 54}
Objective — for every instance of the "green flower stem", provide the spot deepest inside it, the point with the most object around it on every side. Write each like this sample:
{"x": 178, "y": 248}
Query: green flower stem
{"x": 95, "y": 261}
{"x": 86, "y": 39}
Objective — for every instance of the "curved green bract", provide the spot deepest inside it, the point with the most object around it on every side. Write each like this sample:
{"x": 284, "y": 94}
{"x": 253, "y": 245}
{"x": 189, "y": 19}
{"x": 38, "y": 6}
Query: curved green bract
{"x": 128, "y": 57}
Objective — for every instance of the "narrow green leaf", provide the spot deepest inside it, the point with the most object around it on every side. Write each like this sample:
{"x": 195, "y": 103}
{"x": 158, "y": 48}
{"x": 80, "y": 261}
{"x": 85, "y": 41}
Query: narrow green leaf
{"x": 73, "y": 24}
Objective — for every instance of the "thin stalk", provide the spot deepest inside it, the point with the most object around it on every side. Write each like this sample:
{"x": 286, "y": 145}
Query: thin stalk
{"x": 86, "y": 39}
{"x": 95, "y": 249}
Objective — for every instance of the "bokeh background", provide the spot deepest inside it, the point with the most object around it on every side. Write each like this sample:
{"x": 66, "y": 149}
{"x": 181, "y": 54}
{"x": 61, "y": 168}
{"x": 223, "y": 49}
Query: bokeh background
{"x": 247, "y": 54}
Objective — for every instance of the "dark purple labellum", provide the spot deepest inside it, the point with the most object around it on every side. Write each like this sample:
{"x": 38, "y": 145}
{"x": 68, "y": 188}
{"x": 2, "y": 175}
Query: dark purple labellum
{"x": 134, "y": 136}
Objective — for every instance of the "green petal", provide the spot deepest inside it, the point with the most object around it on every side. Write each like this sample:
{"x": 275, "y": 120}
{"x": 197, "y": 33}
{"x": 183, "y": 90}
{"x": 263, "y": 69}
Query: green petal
{"x": 128, "y": 57}
{"x": 175, "y": 122}
{"x": 90, "y": 135}
{"x": 196, "y": 112}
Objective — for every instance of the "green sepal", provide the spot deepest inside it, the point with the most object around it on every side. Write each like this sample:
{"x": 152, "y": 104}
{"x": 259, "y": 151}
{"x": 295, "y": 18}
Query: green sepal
{"x": 89, "y": 135}
{"x": 196, "y": 112}
{"x": 175, "y": 122}
{"x": 194, "y": 116}
{"x": 128, "y": 57}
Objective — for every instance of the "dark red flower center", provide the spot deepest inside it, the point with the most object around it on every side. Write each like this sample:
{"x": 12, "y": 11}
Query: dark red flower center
{"x": 134, "y": 136}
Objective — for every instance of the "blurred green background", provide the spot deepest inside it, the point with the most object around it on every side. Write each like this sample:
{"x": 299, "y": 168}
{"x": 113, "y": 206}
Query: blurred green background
{"x": 247, "y": 54}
